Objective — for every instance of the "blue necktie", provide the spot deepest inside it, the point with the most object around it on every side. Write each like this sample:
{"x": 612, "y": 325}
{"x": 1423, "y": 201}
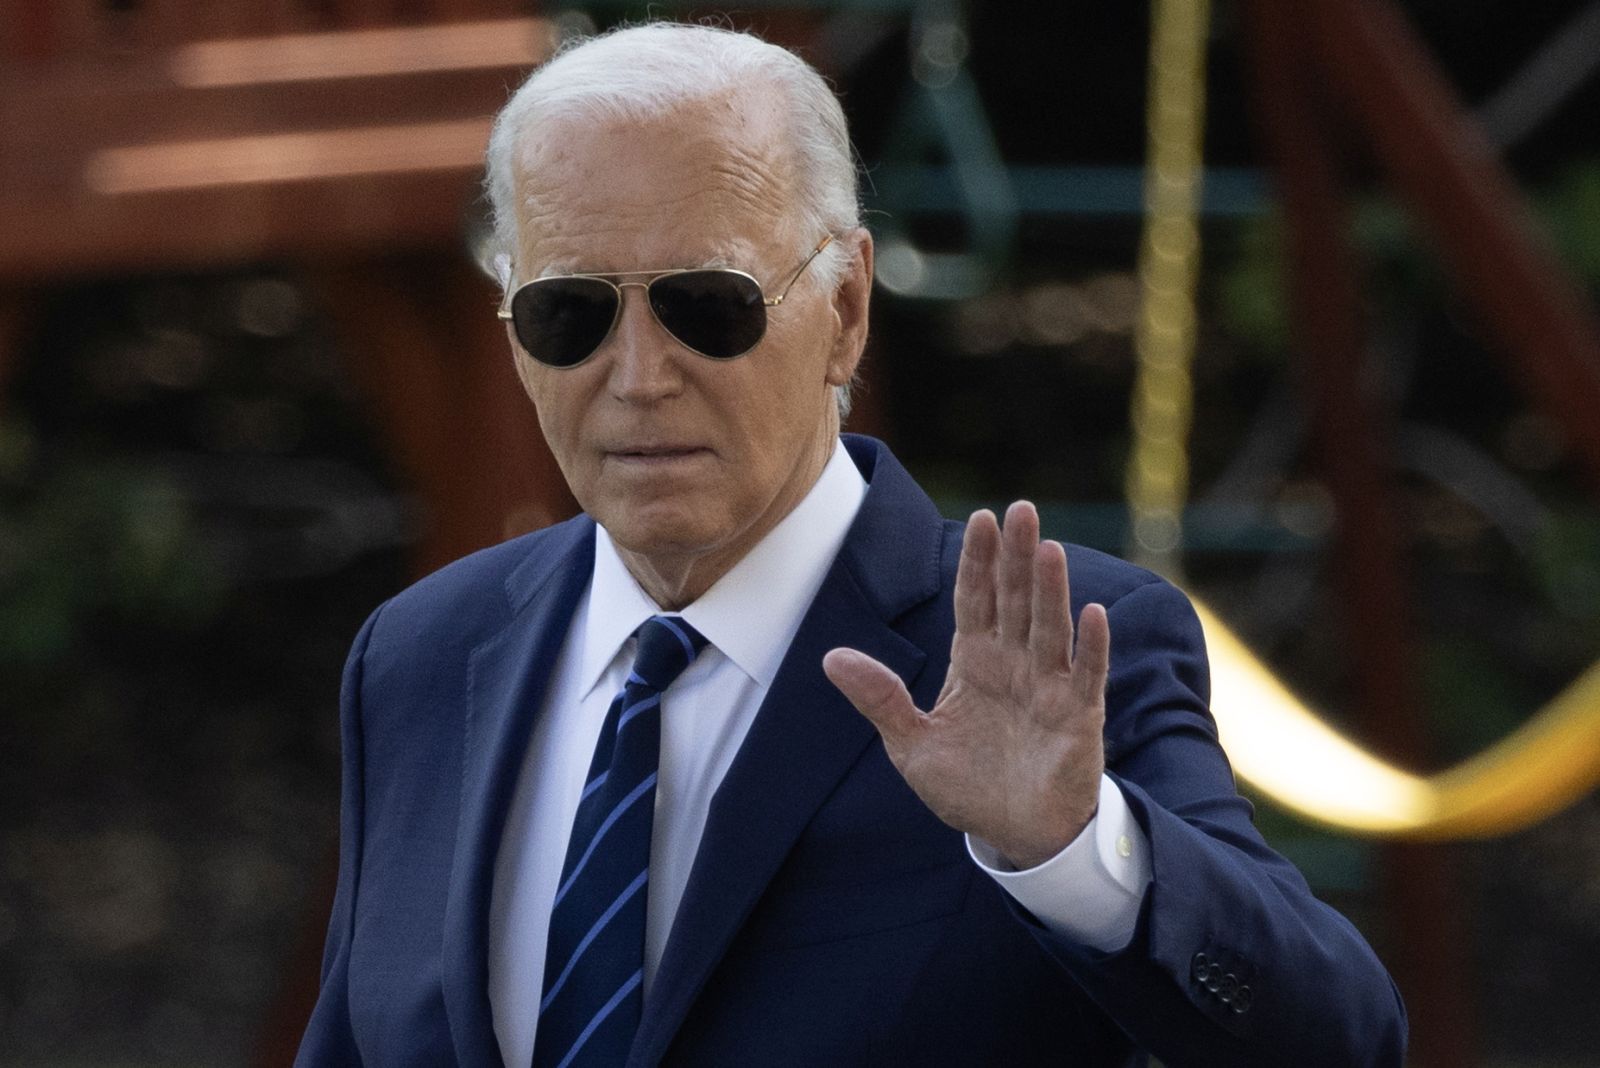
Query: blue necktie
{"x": 594, "y": 958}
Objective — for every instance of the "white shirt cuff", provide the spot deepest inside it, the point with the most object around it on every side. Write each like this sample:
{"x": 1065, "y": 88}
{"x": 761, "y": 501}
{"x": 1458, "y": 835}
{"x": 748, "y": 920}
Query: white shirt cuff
{"x": 1090, "y": 892}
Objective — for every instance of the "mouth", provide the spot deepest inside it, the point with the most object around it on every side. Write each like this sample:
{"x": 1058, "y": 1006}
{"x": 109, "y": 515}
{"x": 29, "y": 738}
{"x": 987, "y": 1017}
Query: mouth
{"x": 657, "y": 455}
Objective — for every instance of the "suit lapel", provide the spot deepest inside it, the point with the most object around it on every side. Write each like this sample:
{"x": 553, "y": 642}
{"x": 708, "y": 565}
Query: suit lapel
{"x": 507, "y": 675}
{"x": 805, "y": 738}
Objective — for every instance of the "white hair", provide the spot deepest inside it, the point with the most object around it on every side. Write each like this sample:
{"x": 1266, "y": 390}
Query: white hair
{"x": 638, "y": 72}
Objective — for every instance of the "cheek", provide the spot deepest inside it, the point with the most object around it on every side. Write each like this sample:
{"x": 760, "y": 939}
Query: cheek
{"x": 789, "y": 394}
{"x": 527, "y": 370}
{"x": 536, "y": 383}
{"x": 762, "y": 411}
{"x": 560, "y": 417}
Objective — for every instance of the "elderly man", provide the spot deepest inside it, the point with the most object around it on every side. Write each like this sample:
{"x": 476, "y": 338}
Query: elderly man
{"x": 606, "y": 798}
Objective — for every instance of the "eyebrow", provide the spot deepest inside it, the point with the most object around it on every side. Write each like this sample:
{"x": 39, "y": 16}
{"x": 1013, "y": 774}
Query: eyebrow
{"x": 558, "y": 268}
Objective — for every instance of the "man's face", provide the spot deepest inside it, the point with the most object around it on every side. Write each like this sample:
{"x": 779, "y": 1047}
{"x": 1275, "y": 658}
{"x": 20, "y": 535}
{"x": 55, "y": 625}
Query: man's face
{"x": 687, "y": 462}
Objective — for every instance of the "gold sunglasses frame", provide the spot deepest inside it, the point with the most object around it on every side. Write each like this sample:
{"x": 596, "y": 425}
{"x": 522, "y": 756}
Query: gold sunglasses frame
{"x": 643, "y": 280}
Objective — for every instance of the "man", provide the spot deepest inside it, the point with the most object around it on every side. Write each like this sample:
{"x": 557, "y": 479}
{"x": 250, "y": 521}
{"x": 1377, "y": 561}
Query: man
{"x": 606, "y": 797}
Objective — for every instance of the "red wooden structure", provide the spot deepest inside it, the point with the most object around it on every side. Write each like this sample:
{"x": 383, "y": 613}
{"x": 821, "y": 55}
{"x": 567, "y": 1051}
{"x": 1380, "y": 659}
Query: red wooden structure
{"x": 346, "y": 136}
{"x": 343, "y": 136}
{"x": 1329, "y": 76}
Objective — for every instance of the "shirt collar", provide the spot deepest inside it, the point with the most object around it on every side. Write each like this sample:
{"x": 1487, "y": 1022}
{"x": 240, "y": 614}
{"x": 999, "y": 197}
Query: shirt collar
{"x": 751, "y": 613}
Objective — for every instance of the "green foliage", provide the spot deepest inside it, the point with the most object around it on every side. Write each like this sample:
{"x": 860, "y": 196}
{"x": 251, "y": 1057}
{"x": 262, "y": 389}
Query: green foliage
{"x": 1572, "y": 211}
{"x": 1566, "y": 564}
{"x": 83, "y": 538}
{"x": 1251, "y": 291}
{"x": 1473, "y": 699}
{"x": 1252, "y": 301}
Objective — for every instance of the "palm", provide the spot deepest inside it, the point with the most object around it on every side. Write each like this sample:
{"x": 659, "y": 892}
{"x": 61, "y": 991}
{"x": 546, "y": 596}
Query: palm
{"x": 1011, "y": 751}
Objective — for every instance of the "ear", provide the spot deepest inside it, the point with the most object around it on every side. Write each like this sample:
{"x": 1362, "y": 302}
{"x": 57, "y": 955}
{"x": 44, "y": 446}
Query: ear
{"x": 850, "y": 302}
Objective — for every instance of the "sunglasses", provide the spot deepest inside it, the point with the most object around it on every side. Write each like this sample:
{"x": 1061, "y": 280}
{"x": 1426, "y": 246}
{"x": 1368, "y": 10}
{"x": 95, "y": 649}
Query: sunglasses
{"x": 715, "y": 312}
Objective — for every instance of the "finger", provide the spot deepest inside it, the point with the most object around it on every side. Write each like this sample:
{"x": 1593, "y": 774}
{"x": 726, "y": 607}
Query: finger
{"x": 1050, "y": 637}
{"x": 1014, "y": 597}
{"x": 876, "y": 691}
{"x": 1091, "y": 661}
{"x": 975, "y": 574}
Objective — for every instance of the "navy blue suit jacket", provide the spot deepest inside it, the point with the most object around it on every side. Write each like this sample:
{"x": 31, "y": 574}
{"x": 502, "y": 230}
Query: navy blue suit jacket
{"x": 830, "y": 919}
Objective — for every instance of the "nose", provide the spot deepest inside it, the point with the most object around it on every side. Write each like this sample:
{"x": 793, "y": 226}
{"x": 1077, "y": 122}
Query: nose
{"x": 644, "y": 365}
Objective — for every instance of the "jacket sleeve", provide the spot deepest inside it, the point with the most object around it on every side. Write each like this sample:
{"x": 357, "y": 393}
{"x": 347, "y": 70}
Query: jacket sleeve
{"x": 1233, "y": 961}
{"x": 328, "y": 1040}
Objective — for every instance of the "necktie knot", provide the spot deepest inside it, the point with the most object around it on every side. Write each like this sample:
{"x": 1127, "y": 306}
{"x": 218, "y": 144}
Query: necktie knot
{"x": 667, "y": 645}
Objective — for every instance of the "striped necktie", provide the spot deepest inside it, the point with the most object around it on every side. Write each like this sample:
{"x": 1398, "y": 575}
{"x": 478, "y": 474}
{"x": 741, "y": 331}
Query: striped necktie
{"x": 594, "y": 960}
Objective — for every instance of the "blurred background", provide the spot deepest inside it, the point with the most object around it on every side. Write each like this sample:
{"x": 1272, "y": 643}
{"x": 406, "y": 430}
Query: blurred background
{"x": 251, "y": 383}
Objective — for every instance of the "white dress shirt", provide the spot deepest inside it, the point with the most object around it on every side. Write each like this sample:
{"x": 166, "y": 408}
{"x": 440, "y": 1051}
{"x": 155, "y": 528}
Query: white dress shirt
{"x": 1090, "y": 892}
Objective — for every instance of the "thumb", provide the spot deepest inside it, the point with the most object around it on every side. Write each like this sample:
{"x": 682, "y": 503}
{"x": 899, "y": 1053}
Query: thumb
{"x": 876, "y": 691}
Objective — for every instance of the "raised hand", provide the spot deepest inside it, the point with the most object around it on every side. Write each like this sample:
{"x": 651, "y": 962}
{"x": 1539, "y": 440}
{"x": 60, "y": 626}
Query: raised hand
{"x": 1011, "y": 752}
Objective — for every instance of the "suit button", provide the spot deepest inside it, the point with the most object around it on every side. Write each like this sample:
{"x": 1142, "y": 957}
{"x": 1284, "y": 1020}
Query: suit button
{"x": 1228, "y": 988}
{"x": 1213, "y": 977}
{"x": 1197, "y": 967}
{"x": 1241, "y": 999}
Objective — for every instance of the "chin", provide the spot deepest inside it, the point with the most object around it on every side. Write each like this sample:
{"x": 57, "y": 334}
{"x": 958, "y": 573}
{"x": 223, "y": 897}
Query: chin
{"x": 663, "y": 532}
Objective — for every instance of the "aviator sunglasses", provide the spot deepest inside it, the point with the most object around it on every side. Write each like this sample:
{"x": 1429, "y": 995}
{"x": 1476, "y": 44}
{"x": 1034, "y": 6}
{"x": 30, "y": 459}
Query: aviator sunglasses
{"x": 715, "y": 312}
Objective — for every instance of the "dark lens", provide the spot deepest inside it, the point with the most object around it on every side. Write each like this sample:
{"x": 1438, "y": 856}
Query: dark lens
{"x": 560, "y": 321}
{"x": 716, "y": 313}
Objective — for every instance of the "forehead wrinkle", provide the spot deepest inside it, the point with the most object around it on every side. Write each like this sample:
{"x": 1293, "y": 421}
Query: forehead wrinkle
{"x": 738, "y": 171}
{"x": 756, "y": 180}
{"x": 746, "y": 186}
{"x": 553, "y": 240}
{"x": 563, "y": 247}
{"x": 570, "y": 265}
